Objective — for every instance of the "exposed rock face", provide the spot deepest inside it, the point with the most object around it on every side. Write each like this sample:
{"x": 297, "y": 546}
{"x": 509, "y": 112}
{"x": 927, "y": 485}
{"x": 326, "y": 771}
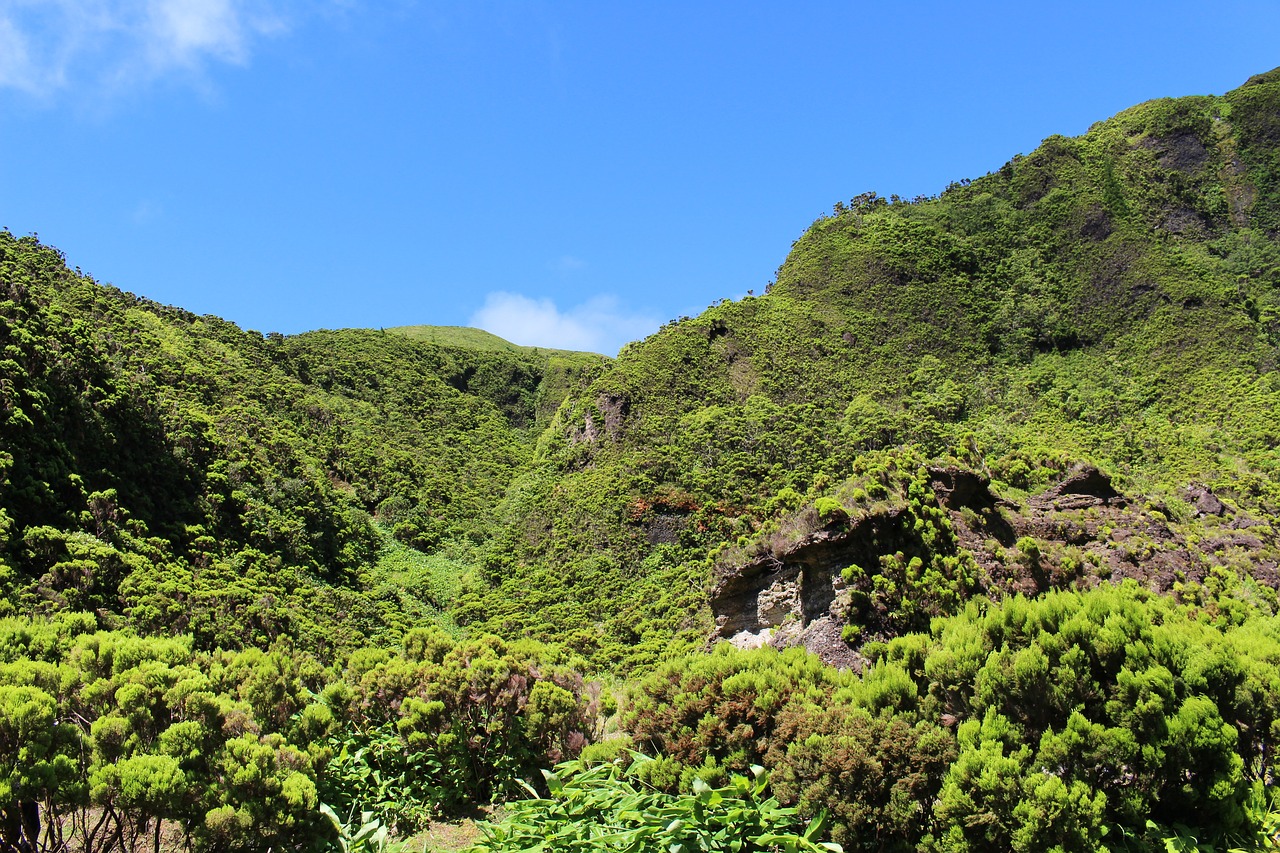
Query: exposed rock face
{"x": 613, "y": 409}
{"x": 795, "y": 585}
{"x": 1084, "y": 486}
{"x": 779, "y": 600}
{"x": 751, "y": 640}
{"x": 1086, "y": 532}
{"x": 1184, "y": 152}
{"x": 590, "y": 433}
{"x": 794, "y": 593}
{"x": 1097, "y": 225}
{"x": 664, "y": 529}
{"x": 782, "y": 594}
{"x": 1083, "y": 517}
{"x": 823, "y": 638}
{"x": 960, "y": 487}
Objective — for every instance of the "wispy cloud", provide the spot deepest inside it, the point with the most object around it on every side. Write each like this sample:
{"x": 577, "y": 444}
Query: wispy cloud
{"x": 147, "y": 211}
{"x": 47, "y": 46}
{"x": 568, "y": 263}
{"x": 600, "y": 324}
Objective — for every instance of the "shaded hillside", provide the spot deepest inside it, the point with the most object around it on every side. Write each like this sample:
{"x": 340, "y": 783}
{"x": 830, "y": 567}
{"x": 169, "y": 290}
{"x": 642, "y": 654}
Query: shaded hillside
{"x": 185, "y": 474}
{"x": 558, "y": 371}
{"x": 1110, "y": 299}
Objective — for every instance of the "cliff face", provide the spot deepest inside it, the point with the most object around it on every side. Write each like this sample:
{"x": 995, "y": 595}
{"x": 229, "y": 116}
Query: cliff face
{"x": 796, "y": 587}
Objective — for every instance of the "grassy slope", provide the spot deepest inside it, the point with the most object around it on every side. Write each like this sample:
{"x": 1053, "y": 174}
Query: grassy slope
{"x": 465, "y": 337}
{"x": 457, "y": 336}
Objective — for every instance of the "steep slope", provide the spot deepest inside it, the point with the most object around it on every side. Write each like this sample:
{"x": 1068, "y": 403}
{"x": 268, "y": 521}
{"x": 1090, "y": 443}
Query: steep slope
{"x": 1111, "y": 299}
{"x": 181, "y": 473}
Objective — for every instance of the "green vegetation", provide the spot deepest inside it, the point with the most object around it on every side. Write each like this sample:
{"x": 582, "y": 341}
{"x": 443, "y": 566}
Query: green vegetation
{"x": 109, "y": 739}
{"x": 602, "y": 808}
{"x": 1066, "y": 722}
{"x": 1008, "y": 455}
{"x": 465, "y": 337}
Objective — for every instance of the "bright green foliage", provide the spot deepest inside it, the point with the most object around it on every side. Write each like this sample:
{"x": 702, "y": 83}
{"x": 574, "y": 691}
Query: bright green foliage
{"x": 1121, "y": 690}
{"x": 129, "y": 731}
{"x": 369, "y": 834}
{"x": 717, "y": 713}
{"x": 104, "y": 735}
{"x": 425, "y": 436}
{"x": 915, "y": 569}
{"x": 608, "y": 807}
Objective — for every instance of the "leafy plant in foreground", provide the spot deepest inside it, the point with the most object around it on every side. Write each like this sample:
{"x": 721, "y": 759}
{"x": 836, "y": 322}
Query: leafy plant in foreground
{"x": 369, "y": 833}
{"x": 607, "y": 807}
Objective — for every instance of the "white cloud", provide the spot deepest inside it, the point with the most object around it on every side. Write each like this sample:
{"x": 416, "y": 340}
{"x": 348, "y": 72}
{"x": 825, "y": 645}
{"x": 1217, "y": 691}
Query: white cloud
{"x": 47, "y": 46}
{"x": 598, "y": 325}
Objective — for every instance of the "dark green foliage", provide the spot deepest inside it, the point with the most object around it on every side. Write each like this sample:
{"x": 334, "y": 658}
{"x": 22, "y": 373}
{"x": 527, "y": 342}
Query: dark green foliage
{"x": 878, "y": 775}
{"x": 719, "y": 712}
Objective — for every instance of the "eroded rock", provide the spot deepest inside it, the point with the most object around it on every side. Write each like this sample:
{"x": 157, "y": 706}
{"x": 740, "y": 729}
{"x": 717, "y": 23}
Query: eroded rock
{"x": 1085, "y": 532}
{"x": 1203, "y": 500}
{"x": 794, "y": 586}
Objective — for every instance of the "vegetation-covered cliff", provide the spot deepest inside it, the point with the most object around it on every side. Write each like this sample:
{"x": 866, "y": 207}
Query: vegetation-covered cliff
{"x": 1109, "y": 301}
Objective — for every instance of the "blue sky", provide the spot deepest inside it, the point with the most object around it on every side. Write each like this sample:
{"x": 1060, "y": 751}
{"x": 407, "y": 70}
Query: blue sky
{"x": 563, "y": 174}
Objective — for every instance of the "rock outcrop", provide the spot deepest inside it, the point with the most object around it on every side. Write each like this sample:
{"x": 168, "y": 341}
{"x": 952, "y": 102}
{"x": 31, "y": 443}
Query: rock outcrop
{"x": 789, "y": 590}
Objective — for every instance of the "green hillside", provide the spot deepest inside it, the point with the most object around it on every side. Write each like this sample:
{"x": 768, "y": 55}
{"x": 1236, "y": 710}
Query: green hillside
{"x": 152, "y": 454}
{"x": 465, "y": 337}
{"x": 457, "y": 336}
{"x": 1109, "y": 300}
{"x": 983, "y": 492}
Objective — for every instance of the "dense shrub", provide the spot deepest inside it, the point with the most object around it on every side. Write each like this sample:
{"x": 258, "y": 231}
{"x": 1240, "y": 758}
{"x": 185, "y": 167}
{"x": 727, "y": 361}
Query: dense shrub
{"x": 1064, "y": 722}
{"x": 719, "y": 712}
{"x": 450, "y": 724}
{"x": 105, "y": 735}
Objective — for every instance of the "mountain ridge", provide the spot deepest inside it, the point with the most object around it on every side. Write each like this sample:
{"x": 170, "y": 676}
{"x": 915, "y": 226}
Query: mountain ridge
{"x": 476, "y": 338}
